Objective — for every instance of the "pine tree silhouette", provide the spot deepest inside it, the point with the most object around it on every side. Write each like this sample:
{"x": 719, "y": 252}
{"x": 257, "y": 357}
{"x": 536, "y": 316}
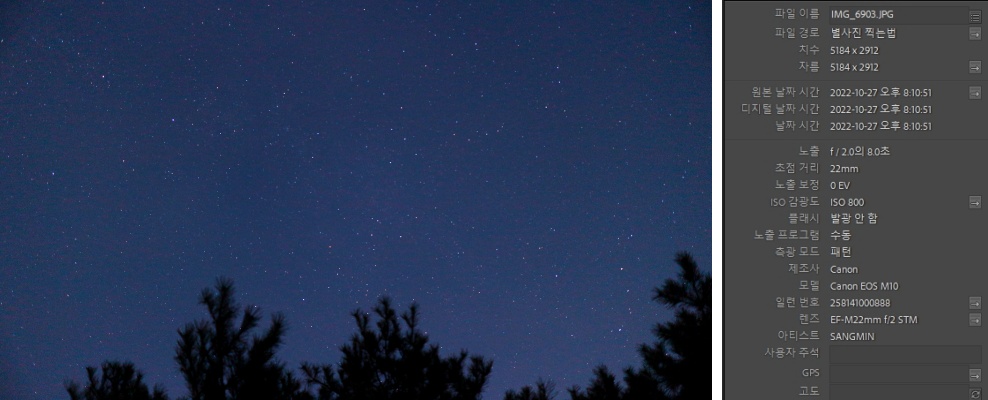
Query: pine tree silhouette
{"x": 391, "y": 362}
{"x": 220, "y": 360}
{"x": 678, "y": 366}
{"x": 116, "y": 381}
{"x": 603, "y": 387}
{"x": 543, "y": 390}
{"x": 681, "y": 359}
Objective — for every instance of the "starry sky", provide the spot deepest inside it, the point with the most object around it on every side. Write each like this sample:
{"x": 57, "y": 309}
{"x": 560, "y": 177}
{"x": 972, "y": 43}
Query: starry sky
{"x": 525, "y": 171}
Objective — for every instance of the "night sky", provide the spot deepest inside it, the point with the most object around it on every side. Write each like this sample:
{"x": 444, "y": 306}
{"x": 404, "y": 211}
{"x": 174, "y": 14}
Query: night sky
{"x": 525, "y": 171}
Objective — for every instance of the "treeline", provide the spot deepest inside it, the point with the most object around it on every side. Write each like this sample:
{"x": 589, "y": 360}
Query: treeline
{"x": 229, "y": 357}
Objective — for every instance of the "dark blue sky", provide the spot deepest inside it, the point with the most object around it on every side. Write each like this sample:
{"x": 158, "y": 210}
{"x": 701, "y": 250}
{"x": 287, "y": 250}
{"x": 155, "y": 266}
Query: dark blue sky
{"x": 525, "y": 171}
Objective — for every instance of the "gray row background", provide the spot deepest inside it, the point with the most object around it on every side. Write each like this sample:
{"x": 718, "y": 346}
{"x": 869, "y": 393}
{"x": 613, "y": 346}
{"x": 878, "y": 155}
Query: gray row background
{"x": 927, "y": 238}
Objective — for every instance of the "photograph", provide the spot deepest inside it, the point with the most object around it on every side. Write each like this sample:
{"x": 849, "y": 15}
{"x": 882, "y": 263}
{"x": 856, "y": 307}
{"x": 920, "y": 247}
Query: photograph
{"x": 356, "y": 200}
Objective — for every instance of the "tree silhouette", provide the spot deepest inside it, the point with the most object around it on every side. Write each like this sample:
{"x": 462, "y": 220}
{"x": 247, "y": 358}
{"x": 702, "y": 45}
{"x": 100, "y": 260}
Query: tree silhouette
{"x": 221, "y": 361}
{"x": 390, "y": 362}
{"x": 680, "y": 360}
{"x": 603, "y": 387}
{"x": 117, "y": 381}
{"x": 544, "y": 390}
{"x": 678, "y": 365}
{"x": 642, "y": 386}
